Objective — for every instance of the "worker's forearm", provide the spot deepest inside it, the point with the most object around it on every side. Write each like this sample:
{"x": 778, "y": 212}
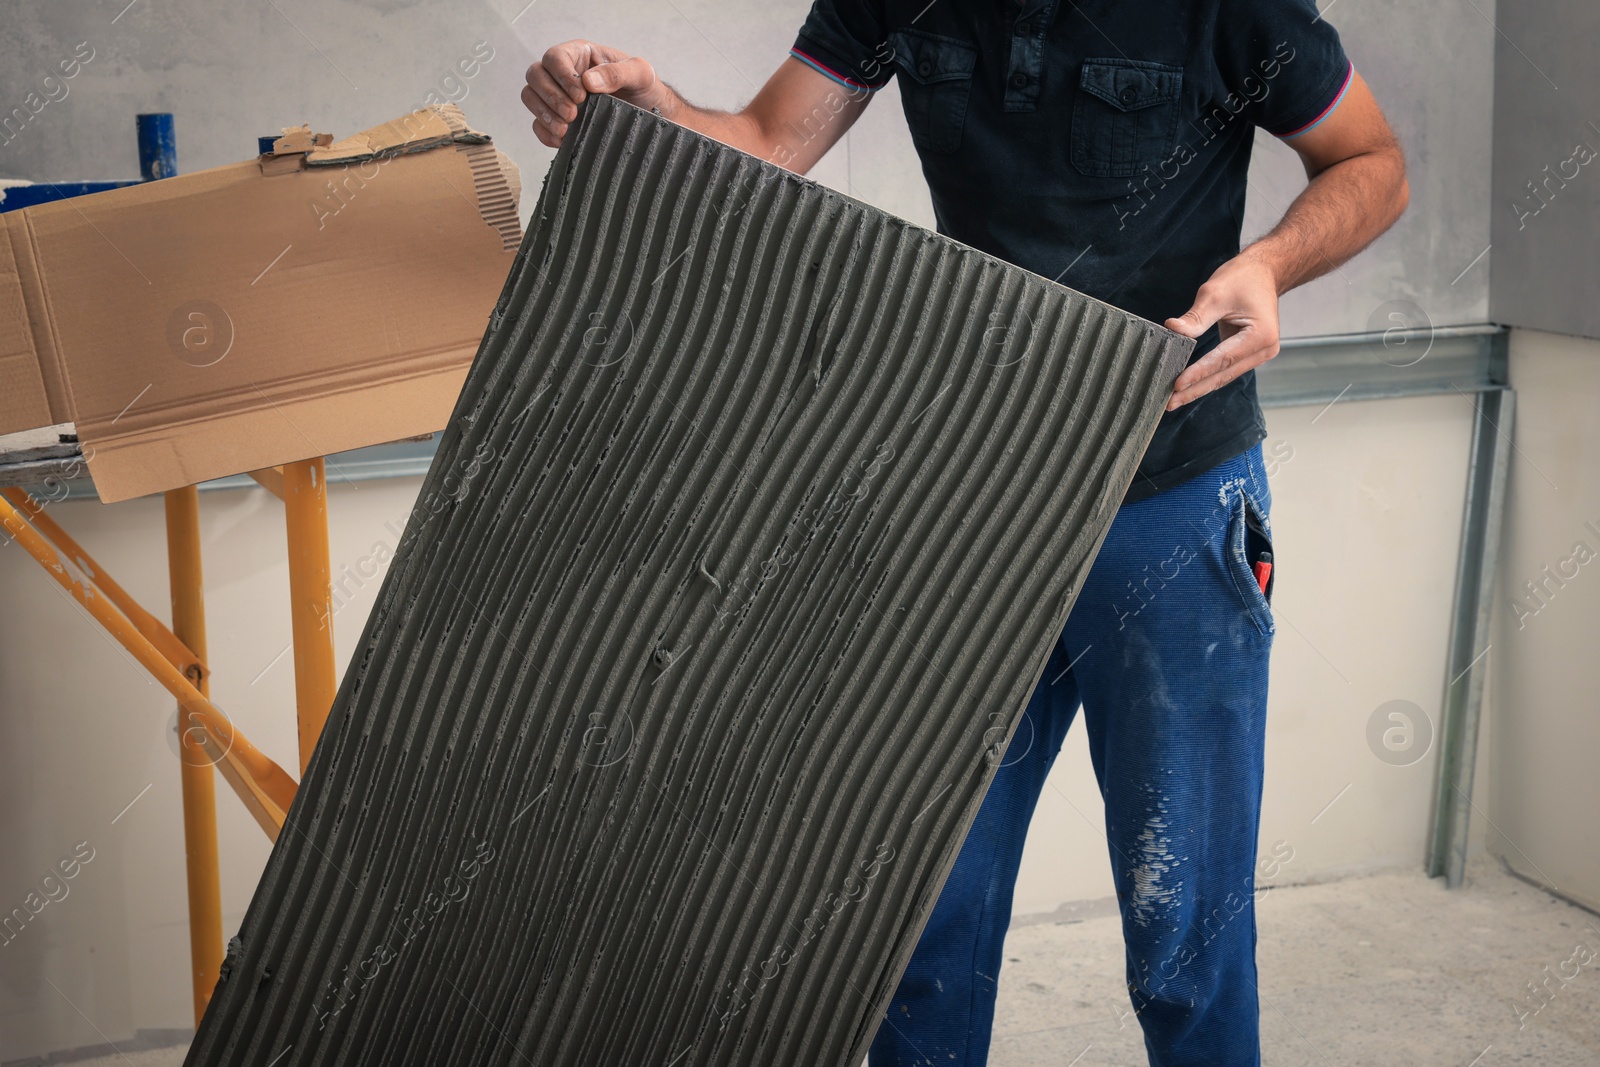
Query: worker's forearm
{"x": 1342, "y": 211}
{"x": 737, "y": 129}
{"x": 796, "y": 117}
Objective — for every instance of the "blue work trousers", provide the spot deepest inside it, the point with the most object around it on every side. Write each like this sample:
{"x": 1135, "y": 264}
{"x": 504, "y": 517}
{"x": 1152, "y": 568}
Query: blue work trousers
{"x": 1166, "y": 651}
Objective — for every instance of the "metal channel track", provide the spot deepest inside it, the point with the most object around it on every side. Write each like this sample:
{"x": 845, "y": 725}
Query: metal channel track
{"x": 754, "y": 523}
{"x": 1380, "y": 366}
{"x": 1466, "y": 666}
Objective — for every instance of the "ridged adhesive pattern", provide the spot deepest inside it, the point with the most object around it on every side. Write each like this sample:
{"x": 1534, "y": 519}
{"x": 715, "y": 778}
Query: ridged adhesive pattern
{"x": 755, "y": 521}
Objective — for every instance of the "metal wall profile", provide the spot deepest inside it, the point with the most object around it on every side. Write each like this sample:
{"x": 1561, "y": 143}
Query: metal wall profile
{"x": 1469, "y": 362}
{"x": 1380, "y": 366}
{"x": 1466, "y": 665}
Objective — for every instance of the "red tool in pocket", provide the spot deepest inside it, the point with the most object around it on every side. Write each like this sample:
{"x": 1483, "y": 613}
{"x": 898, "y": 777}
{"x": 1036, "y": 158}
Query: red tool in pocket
{"x": 1263, "y": 569}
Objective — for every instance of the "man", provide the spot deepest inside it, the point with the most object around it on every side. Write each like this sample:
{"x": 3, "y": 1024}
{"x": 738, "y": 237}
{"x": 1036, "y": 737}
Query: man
{"x": 1105, "y": 144}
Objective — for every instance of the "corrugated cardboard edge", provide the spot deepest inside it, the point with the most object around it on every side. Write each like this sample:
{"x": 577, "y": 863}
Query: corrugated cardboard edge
{"x": 495, "y": 178}
{"x": 498, "y": 184}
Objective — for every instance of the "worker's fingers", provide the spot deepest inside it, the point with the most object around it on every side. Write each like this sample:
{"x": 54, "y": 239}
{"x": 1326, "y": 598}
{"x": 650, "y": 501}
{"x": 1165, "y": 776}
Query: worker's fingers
{"x": 1239, "y": 345}
{"x": 547, "y": 96}
{"x": 549, "y": 129}
{"x": 1242, "y": 350}
{"x": 556, "y": 133}
{"x": 631, "y": 75}
{"x": 537, "y": 106}
{"x": 1207, "y": 309}
{"x": 568, "y": 73}
{"x": 564, "y": 63}
{"x": 1241, "y": 300}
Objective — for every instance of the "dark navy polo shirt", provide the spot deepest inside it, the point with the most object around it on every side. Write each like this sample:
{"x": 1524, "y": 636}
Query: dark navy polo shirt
{"x": 1101, "y": 143}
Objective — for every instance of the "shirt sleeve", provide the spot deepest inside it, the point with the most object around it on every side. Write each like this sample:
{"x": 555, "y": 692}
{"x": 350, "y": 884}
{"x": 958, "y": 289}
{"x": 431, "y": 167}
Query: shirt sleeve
{"x": 1287, "y": 59}
{"x": 846, "y": 40}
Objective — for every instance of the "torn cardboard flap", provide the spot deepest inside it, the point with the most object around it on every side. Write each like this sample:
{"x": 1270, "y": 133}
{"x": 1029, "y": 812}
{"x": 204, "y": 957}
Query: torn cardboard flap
{"x": 429, "y": 127}
{"x": 299, "y": 139}
{"x": 228, "y": 320}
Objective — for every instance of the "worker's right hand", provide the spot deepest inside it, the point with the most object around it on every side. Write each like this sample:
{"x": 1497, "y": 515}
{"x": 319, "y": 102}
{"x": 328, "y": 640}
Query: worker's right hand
{"x": 571, "y": 71}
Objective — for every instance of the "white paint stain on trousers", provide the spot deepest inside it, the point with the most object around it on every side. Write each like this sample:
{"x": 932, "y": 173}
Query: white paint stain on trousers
{"x": 1155, "y": 889}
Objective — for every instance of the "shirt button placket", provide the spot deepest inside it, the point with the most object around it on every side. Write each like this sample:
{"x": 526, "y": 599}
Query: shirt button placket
{"x": 1027, "y": 55}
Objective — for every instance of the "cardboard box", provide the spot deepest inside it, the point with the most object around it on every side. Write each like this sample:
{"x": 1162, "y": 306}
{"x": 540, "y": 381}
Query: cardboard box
{"x": 323, "y": 297}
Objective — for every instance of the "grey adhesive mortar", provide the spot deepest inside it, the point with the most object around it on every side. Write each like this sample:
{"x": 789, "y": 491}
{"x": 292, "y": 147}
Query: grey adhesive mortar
{"x": 756, "y": 519}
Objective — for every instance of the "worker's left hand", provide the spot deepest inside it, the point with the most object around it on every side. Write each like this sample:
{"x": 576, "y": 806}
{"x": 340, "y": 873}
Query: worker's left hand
{"x": 1242, "y": 299}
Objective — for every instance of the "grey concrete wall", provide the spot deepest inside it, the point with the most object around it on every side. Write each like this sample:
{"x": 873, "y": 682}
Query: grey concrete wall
{"x": 1546, "y": 258}
{"x": 1429, "y": 63}
{"x": 232, "y": 72}
{"x": 1545, "y": 794}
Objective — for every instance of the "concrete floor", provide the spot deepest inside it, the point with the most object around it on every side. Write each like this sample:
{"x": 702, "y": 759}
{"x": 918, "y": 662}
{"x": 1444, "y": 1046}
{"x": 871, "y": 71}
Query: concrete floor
{"x": 1380, "y": 970}
{"x": 1365, "y": 972}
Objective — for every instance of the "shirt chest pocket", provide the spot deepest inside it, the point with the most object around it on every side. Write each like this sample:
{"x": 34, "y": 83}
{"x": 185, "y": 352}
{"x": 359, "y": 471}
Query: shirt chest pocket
{"x": 935, "y": 83}
{"x": 1125, "y": 116}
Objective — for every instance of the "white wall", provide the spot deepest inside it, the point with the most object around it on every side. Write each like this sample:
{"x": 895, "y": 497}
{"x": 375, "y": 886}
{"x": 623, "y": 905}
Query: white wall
{"x": 83, "y": 731}
{"x": 1545, "y": 703}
